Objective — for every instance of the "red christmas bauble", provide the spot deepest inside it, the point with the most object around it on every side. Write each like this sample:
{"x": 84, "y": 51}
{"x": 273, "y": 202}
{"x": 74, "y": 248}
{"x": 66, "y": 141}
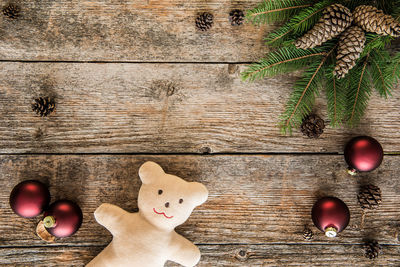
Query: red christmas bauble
{"x": 63, "y": 218}
{"x": 29, "y": 198}
{"x": 331, "y": 215}
{"x": 363, "y": 153}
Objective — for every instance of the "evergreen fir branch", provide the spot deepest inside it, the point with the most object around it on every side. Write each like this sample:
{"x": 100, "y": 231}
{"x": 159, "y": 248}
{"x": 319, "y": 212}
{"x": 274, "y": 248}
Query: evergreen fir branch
{"x": 375, "y": 42}
{"x": 307, "y": 18}
{"x": 302, "y": 98}
{"x": 283, "y": 60}
{"x": 352, "y": 4}
{"x": 272, "y": 10}
{"x": 277, "y": 37}
{"x": 299, "y": 24}
{"x": 392, "y": 71}
{"x": 378, "y": 61}
{"x": 359, "y": 91}
{"x": 385, "y": 5}
{"x": 336, "y": 97}
{"x": 395, "y": 12}
{"x": 347, "y": 98}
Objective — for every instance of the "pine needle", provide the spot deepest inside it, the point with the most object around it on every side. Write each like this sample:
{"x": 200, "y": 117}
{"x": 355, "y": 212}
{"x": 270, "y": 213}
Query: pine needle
{"x": 299, "y": 24}
{"x": 302, "y": 99}
{"x": 307, "y": 18}
{"x": 351, "y": 4}
{"x": 283, "y": 60}
{"x": 358, "y": 93}
{"x": 336, "y": 97}
{"x": 392, "y": 71}
{"x": 272, "y": 11}
{"x": 375, "y": 42}
{"x": 378, "y": 62}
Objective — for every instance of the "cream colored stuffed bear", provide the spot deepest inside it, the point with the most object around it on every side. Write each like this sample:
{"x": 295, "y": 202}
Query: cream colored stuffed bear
{"x": 147, "y": 238}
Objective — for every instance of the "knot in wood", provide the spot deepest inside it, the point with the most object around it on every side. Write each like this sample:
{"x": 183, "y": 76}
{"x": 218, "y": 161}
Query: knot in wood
{"x": 205, "y": 150}
{"x": 242, "y": 255}
{"x": 170, "y": 89}
{"x": 162, "y": 88}
{"x": 232, "y": 68}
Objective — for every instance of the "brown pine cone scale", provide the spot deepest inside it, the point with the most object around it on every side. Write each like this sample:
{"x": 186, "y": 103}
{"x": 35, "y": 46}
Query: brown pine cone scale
{"x": 312, "y": 126}
{"x": 43, "y": 106}
{"x": 371, "y": 19}
{"x": 372, "y": 249}
{"x": 308, "y": 234}
{"x": 236, "y": 17}
{"x": 204, "y": 21}
{"x": 335, "y": 19}
{"x": 11, "y": 11}
{"x": 351, "y": 44}
{"x": 369, "y": 197}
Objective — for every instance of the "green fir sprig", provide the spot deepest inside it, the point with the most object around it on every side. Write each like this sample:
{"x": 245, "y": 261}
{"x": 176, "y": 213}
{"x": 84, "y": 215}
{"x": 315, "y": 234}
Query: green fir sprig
{"x": 347, "y": 98}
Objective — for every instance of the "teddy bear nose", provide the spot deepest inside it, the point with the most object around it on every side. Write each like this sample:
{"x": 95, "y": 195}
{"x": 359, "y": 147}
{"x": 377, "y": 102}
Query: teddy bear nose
{"x": 167, "y": 204}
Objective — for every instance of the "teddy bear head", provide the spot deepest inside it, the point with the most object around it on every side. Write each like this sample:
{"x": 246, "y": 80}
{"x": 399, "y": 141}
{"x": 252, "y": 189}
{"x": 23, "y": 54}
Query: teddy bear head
{"x": 166, "y": 200}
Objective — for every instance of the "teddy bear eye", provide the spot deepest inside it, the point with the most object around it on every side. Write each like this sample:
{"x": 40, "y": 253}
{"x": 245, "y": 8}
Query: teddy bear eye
{"x": 160, "y": 192}
{"x": 180, "y": 201}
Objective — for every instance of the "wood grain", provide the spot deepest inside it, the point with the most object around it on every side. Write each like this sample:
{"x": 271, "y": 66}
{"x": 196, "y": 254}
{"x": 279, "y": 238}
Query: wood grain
{"x": 164, "y": 108}
{"x": 253, "y": 199}
{"x": 219, "y": 255}
{"x": 135, "y": 30}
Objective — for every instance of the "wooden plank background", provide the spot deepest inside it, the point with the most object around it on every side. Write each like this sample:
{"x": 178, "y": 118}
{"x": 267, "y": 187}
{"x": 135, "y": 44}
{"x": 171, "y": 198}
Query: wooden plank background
{"x": 257, "y": 200}
{"x": 135, "y": 81}
{"x": 164, "y": 108}
{"x": 136, "y": 30}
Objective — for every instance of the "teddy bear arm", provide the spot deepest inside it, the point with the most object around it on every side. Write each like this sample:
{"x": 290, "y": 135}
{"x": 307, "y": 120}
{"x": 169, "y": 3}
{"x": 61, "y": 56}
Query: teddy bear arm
{"x": 110, "y": 216}
{"x": 185, "y": 252}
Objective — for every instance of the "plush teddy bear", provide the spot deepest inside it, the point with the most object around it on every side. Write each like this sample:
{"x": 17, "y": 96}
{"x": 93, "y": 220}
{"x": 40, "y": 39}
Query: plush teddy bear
{"x": 147, "y": 238}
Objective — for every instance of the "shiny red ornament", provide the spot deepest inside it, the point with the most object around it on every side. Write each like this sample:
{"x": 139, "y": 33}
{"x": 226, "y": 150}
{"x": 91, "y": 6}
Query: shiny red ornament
{"x": 29, "y": 198}
{"x": 331, "y": 215}
{"x": 63, "y": 218}
{"x": 363, "y": 154}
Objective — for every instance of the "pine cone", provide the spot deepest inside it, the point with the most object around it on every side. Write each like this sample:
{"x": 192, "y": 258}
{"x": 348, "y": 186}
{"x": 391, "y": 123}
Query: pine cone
{"x": 372, "y": 249}
{"x": 236, "y": 17}
{"x": 43, "y": 106}
{"x": 369, "y": 197}
{"x": 204, "y": 21}
{"x": 335, "y": 19}
{"x": 351, "y": 44}
{"x": 308, "y": 234}
{"x": 312, "y": 126}
{"x": 11, "y": 11}
{"x": 371, "y": 19}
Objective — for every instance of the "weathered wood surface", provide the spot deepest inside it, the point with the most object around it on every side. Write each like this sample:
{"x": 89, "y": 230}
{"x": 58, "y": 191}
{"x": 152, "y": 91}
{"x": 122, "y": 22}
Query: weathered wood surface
{"x": 164, "y": 108}
{"x": 253, "y": 199}
{"x": 258, "y": 205}
{"x": 219, "y": 255}
{"x": 136, "y": 30}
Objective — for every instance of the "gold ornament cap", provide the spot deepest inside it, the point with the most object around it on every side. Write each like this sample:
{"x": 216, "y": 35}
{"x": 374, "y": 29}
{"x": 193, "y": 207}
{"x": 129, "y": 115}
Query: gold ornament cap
{"x": 352, "y": 171}
{"x": 330, "y": 231}
{"x": 49, "y": 221}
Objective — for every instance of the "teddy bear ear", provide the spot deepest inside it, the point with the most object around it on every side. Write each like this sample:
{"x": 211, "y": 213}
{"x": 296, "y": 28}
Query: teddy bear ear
{"x": 150, "y": 172}
{"x": 198, "y": 192}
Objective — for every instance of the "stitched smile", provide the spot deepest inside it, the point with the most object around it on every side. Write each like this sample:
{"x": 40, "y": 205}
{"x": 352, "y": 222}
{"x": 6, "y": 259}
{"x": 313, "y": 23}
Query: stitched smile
{"x": 159, "y": 213}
